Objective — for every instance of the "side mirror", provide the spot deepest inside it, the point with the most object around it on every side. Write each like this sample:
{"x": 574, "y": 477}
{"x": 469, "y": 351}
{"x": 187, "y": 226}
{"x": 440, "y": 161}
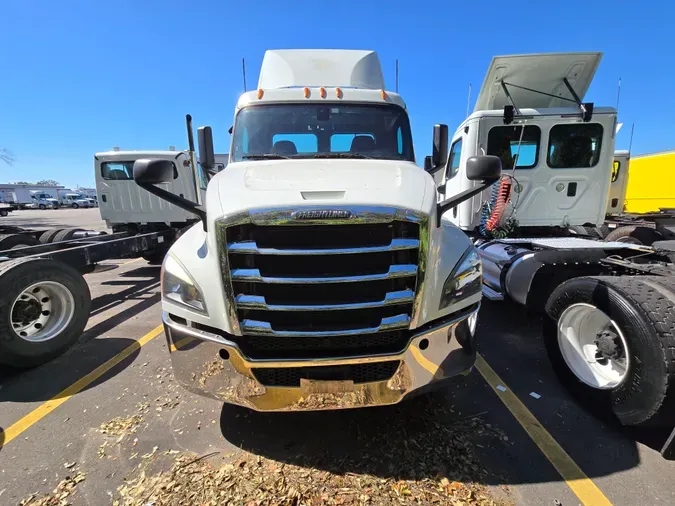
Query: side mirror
{"x": 207, "y": 157}
{"x": 440, "y": 149}
{"x": 153, "y": 171}
{"x": 487, "y": 169}
{"x": 483, "y": 168}
{"x": 149, "y": 172}
{"x": 428, "y": 163}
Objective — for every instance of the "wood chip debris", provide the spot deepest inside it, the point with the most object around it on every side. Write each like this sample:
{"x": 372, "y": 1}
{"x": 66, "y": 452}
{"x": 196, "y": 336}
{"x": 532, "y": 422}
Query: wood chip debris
{"x": 60, "y": 496}
{"x": 432, "y": 465}
{"x": 121, "y": 426}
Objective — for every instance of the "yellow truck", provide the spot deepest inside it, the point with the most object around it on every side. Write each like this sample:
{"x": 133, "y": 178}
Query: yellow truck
{"x": 641, "y": 202}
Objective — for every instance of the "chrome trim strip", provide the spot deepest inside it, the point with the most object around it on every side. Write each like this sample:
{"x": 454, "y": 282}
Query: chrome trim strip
{"x": 395, "y": 271}
{"x": 250, "y": 247}
{"x": 258, "y": 302}
{"x": 304, "y": 362}
{"x": 259, "y": 328}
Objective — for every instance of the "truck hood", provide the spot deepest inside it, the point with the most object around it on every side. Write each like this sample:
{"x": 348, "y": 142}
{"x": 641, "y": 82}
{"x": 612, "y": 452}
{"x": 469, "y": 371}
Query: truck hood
{"x": 286, "y": 183}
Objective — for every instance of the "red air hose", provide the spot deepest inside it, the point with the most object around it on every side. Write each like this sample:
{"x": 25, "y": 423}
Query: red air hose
{"x": 499, "y": 206}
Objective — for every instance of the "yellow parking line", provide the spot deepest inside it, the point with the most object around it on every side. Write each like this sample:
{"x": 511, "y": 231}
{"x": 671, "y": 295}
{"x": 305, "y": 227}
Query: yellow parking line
{"x": 584, "y": 488}
{"x": 44, "y": 409}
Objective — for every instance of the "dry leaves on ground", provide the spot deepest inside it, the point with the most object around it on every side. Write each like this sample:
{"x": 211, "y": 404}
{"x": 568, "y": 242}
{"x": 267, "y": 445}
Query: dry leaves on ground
{"x": 421, "y": 462}
{"x": 60, "y": 496}
{"x": 121, "y": 426}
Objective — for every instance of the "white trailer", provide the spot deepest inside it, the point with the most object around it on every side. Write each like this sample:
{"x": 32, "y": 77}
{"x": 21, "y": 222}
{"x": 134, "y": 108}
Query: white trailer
{"x": 608, "y": 307}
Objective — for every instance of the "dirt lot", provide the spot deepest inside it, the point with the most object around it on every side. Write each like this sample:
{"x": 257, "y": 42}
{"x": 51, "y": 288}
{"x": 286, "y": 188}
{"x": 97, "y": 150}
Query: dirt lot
{"x": 106, "y": 422}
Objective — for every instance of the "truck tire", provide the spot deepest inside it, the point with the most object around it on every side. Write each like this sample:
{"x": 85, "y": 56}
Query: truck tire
{"x": 611, "y": 341}
{"x": 3, "y": 212}
{"x": 42, "y": 207}
{"x": 75, "y": 206}
{"x": 66, "y": 234}
{"x": 43, "y": 311}
{"x": 12, "y": 241}
{"x": 155, "y": 257}
{"x": 48, "y": 236}
{"x": 635, "y": 235}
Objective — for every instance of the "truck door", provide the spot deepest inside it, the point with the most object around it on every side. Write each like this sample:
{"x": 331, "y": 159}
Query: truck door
{"x": 451, "y": 178}
{"x": 618, "y": 183}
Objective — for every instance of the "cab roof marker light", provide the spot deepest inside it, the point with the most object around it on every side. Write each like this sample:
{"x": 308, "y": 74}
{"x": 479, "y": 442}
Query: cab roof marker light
{"x": 338, "y": 92}
{"x": 306, "y": 92}
{"x": 260, "y": 93}
{"x": 384, "y": 94}
{"x": 322, "y": 92}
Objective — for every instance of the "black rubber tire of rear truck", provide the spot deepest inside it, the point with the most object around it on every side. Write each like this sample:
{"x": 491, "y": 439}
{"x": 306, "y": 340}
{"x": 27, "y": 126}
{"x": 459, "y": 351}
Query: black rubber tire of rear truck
{"x": 17, "y": 275}
{"x": 643, "y": 307}
{"x": 65, "y": 234}
{"x": 48, "y": 235}
{"x": 10, "y": 241}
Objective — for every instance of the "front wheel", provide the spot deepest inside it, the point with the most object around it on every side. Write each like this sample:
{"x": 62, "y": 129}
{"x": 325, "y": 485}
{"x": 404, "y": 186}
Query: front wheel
{"x": 75, "y": 206}
{"x": 609, "y": 341}
{"x": 43, "y": 311}
{"x": 3, "y": 212}
{"x": 42, "y": 207}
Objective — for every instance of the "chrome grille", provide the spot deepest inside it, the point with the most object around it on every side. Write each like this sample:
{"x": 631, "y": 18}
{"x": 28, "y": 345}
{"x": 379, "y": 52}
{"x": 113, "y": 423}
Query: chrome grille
{"x": 332, "y": 282}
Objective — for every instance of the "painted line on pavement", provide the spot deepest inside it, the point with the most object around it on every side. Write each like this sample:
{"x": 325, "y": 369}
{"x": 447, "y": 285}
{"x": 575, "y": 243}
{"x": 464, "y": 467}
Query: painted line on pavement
{"x": 584, "y": 488}
{"x": 18, "y": 428}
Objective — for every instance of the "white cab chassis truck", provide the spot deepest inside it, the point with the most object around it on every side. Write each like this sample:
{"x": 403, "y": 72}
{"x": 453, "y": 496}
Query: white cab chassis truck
{"x": 609, "y": 307}
{"x": 46, "y": 300}
{"x": 321, "y": 275}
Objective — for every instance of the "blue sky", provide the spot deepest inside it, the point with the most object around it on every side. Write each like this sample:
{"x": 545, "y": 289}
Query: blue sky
{"x": 84, "y": 76}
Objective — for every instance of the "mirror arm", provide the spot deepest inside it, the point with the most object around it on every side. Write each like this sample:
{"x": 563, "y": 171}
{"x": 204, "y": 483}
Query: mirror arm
{"x": 442, "y": 207}
{"x": 177, "y": 200}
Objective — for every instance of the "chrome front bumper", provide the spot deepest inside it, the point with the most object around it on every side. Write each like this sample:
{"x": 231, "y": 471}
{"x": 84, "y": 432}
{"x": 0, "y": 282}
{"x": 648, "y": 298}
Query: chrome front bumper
{"x": 210, "y": 365}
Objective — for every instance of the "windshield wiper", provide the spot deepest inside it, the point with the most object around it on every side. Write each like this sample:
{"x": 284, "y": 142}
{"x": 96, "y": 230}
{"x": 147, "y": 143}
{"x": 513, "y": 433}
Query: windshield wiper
{"x": 342, "y": 155}
{"x": 266, "y": 156}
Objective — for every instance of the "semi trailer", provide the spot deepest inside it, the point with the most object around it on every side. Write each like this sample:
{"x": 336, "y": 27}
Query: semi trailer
{"x": 323, "y": 272}
{"x": 608, "y": 307}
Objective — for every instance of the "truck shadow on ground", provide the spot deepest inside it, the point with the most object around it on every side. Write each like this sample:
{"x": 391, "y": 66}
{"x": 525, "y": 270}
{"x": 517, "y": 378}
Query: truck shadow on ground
{"x": 92, "y": 350}
{"x": 511, "y": 341}
{"x": 462, "y": 432}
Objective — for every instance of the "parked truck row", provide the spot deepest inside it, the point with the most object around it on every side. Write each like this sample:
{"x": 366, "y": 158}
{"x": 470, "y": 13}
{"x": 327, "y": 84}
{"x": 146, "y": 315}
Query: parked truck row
{"x": 325, "y": 269}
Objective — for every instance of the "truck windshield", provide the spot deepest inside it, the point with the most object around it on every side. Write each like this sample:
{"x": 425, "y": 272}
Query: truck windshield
{"x": 322, "y": 131}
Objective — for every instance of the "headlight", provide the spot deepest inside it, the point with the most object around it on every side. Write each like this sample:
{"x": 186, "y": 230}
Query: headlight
{"x": 465, "y": 280}
{"x": 178, "y": 286}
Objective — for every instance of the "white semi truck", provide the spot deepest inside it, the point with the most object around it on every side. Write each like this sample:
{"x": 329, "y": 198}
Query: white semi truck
{"x": 608, "y": 307}
{"x": 324, "y": 272}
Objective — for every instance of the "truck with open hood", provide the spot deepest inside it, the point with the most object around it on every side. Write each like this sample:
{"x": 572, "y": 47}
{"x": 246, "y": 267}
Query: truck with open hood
{"x": 608, "y": 307}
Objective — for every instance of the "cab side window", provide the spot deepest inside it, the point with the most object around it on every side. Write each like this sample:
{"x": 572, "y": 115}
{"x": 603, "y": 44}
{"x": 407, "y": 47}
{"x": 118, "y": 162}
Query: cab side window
{"x": 454, "y": 159}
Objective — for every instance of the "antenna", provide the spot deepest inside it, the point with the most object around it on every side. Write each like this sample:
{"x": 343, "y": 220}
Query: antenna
{"x": 396, "y": 75}
{"x": 630, "y": 144}
{"x": 243, "y": 70}
{"x": 618, "y": 95}
{"x": 468, "y": 101}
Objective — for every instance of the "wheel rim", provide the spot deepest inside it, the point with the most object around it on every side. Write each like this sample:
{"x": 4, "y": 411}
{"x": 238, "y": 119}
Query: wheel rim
{"x": 42, "y": 311}
{"x": 593, "y": 346}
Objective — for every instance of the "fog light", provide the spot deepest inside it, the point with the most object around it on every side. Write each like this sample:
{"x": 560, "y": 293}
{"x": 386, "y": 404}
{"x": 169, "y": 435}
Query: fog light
{"x": 465, "y": 332}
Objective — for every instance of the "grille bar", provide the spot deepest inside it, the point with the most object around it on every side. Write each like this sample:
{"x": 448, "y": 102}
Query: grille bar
{"x": 260, "y": 328}
{"x": 259, "y": 302}
{"x": 252, "y": 248}
{"x": 254, "y": 275}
